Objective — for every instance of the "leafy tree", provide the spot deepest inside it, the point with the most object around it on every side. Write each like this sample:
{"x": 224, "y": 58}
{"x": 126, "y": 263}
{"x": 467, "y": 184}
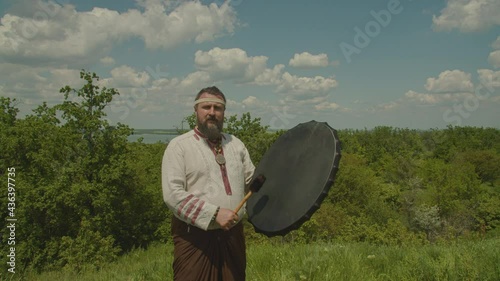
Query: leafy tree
{"x": 351, "y": 141}
{"x": 391, "y": 142}
{"x": 487, "y": 214}
{"x": 145, "y": 160}
{"x": 453, "y": 189}
{"x": 485, "y": 163}
{"x": 427, "y": 218}
{"x": 86, "y": 118}
{"x": 454, "y": 140}
{"x": 8, "y": 144}
{"x": 9, "y": 111}
{"x": 359, "y": 192}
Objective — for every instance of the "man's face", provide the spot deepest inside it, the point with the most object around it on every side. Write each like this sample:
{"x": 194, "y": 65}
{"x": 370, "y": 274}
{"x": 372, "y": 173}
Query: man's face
{"x": 210, "y": 117}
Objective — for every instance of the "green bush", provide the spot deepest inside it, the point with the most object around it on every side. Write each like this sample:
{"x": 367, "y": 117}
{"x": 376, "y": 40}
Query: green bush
{"x": 89, "y": 250}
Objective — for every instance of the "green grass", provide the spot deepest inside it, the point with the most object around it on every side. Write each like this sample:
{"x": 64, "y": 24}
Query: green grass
{"x": 479, "y": 260}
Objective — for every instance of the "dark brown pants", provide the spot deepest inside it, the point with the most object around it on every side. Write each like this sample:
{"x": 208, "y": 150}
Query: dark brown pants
{"x": 214, "y": 255}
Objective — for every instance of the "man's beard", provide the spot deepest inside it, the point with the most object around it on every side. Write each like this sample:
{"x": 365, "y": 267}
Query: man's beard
{"x": 211, "y": 131}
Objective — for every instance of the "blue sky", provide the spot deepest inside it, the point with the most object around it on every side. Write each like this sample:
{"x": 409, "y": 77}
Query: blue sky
{"x": 354, "y": 64}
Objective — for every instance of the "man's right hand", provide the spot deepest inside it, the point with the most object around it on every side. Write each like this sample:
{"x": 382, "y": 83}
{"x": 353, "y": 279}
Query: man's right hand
{"x": 226, "y": 218}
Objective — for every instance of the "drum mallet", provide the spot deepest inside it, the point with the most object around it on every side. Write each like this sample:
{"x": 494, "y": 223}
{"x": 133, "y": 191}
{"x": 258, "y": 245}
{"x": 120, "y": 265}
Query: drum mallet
{"x": 254, "y": 187}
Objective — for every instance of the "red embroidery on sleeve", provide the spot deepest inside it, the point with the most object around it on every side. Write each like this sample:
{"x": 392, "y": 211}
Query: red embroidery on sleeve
{"x": 191, "y": 207}
{"x": 184, "y": 202}
{"x": 198, "y": 210}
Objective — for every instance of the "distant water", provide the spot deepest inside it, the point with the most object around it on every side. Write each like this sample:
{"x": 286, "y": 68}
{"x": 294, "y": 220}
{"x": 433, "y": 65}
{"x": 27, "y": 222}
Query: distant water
{"x": 151, "y": 138}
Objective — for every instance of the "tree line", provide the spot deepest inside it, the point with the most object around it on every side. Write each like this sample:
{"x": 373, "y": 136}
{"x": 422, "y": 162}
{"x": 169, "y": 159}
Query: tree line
{"x": 85, "y": 195}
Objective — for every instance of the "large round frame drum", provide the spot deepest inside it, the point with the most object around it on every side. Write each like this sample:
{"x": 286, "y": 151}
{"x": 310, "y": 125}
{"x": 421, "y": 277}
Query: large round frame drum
{"x": 300, "y": 169}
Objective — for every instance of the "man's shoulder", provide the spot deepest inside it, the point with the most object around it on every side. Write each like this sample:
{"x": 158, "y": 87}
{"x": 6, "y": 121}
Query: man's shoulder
{"x": 182, "y": 138}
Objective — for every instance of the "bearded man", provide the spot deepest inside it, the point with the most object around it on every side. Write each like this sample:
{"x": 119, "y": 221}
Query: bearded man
{"x": 205, "y": 173}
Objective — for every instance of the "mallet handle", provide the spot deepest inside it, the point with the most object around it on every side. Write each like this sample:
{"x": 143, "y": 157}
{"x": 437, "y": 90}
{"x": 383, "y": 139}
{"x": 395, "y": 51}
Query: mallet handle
{"x": 243, "y": 201}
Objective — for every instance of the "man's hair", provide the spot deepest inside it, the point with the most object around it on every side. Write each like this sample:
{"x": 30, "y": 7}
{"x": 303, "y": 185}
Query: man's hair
{"x": 212, "y": 91}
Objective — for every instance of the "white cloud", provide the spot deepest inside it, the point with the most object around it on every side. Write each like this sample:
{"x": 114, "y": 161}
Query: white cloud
{"x": 489, "y": 78}
{"x": 230, "y": 64}
{"x": 270, "y": 76}
{"x": 468, "y": 15}
{"x": 107, "y": 60}
{"x": 386, "y": 106}
{"x": 191, "y": 20}
{"x": 305, "y": 89}
{"x": 252, "y": 102}
{"x": 389, "y": 106}
{"x": 33, "y": 83}
{"x": 450, "y": 81}
{"x": 455, "y": 87}
{"x": 307, "y": 60}
{"x": 65, "y": 35}
{"x": 433, "y": 99}
{"x": 235, "y": 64}
{"x": 304, "y": 98}
{"x": 327, "y": 106}
{"x": 294, "y": 84}
{"x": 195, "y": 79}
{"x": 494, "y": 59}
{"x": 126, "y": 76}
{"x": 139, "y": 90}
{"x": 231, "y": 105}
{"x": 162, "y": 86}
{"x": 422, "y": 98}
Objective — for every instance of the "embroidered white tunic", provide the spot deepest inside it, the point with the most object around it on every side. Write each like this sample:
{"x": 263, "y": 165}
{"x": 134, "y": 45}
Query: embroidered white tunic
{"x": 193, "y": 183}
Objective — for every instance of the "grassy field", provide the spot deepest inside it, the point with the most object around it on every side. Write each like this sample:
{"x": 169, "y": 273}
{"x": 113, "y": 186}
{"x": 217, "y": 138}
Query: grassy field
{"x": 478, "y": 260}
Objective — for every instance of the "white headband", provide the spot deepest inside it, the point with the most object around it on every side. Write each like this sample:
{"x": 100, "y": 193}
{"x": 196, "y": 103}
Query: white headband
{"x": 209, "y": 100}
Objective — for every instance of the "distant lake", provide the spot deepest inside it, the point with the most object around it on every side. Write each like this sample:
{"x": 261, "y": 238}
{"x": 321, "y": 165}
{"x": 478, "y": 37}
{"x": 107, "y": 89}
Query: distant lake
{"x": 151, "y": 138}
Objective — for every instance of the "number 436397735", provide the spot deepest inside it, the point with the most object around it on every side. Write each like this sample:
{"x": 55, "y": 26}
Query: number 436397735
{"x": 11, "y": 189}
